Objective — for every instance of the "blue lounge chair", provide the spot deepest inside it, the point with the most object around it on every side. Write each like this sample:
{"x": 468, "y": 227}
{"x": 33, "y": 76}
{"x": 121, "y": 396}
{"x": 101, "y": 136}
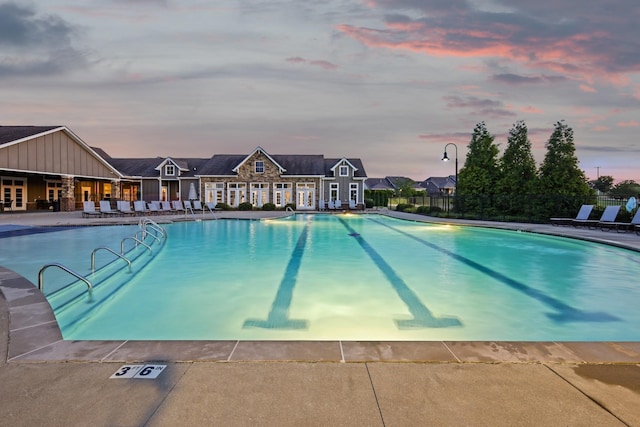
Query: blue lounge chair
{"x": 583, "y": 214}
{"x": 609, "y": 215}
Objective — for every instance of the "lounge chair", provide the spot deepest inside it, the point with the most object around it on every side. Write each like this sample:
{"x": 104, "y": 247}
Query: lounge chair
{"x": 352, "y": 204}
{"x": 178, "y": 207}
{"x": 124, "y": 207}
{"x": 105, "y": 208}
{"x": 634, "y": 225}
{"x": 165, "y": 207}
{"x": 197, "y": 205}
{"x": 140, "y": 207}
{"x": 321, "y": 205}
{"x": 212, "y": 206}
{"x": 338, "y": 204}
{"x": 154, "y": 208}
{"x": 188, "y": 207}
{"x": 609, "y": 215}
{"x": 89, "y": 210}
{"x": 583, "y": 214}
{"x": 331, "y": 205}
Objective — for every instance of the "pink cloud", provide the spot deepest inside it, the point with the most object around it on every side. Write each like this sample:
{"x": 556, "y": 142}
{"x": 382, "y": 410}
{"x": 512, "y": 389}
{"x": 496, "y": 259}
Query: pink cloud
{"x": 532, "y": 110}
{"x": 316, "y": 63}
{"x": 586, "y": 88}
{"x": 582, "y": 55}
{"x": 630, "y": 123}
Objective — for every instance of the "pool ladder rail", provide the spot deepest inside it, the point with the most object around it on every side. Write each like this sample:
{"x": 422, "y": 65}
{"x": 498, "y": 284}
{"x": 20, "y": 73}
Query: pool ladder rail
{"x": 158, "y": 233}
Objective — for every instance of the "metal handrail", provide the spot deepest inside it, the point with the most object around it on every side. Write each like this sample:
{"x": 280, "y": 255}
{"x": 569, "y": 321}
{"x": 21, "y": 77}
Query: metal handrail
{"x": 154, "y": 226}
{"x": 145, "y": 233}
{"x": 137, "y": 241}
{"x": 93, "y": 257}
{"x": 62, "y": 267}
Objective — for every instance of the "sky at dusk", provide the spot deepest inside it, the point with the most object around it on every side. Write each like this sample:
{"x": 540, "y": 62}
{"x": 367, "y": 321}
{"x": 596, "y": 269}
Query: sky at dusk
{"x": 388, "y": 81}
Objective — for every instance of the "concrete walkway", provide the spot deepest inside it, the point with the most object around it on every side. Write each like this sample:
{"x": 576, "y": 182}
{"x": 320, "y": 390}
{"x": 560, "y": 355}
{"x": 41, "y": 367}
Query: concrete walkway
{"x": 46, "y": 381}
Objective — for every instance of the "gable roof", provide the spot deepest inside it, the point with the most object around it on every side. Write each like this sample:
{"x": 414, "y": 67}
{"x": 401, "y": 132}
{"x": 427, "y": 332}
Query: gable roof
{"x": 378, "y": 184}
{"x": 259, "y": 150}
{"x": 148, "y": 167}
{"x": 15, "y": 134}
{"x": 358, "y": 168}
{"x": 289, "y": 164}
{"x": 12, "y": 135}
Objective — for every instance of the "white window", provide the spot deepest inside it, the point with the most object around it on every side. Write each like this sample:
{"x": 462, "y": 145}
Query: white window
{"x": 169, "y": 170}
{"x": 282, "y": 193}
{"x": 334, "y": 191}
{"x": 306, "y": 195}
{"x": 259, "y": 194}
{"x": 259, "y": 167}
{"x": 353, "y": 191}
{"x": 344, "y": 170}
{"x": 236, "y": 193}
{"x": 214, "y": 192}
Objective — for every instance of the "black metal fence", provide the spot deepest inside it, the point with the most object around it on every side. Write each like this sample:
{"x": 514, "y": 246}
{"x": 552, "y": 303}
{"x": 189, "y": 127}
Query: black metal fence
{"x": 526, "y": 208}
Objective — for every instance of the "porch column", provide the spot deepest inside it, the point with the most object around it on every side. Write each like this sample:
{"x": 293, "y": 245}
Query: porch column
{"x": 68, "y": 198}
{"x": 115, "y": 190}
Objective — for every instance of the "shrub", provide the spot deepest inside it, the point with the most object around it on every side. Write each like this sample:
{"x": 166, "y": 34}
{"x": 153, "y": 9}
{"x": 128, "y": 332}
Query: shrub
{"x": 245, "y": 206}
{"x": 428, "y": 210}
{"x": 268, "y": 207}
{"x": 368, "y": 203}
{"x": 223, "y": 206}
{"x": 290, "y": 205}
{"x": 403, "y": 207}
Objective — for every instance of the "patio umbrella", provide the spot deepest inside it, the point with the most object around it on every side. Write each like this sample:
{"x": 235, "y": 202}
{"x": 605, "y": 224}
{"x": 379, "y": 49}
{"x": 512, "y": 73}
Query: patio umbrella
{"x": 192, "y": 192}
{"x": 631, "y": 204}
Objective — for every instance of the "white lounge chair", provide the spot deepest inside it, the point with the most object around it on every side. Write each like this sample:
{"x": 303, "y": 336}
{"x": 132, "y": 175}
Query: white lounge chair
{"x": 338, "y": 204}
{"x": 211, "y": 206}
{"x": 105, "y": 208}
{"x": 124, "y": 207}
{"x": 89, "y": 210}
{"x": 165, "y": 207}
{"x": 178, "y": 207}
{"x": 197, "y": 205}
{"x": 155, "y": 208}
{"x": 321, "y": 205}
{"x": 188, "y": 207}
{"x": 140, "y": 207}
{"x": 332, "y": 205}
{"x": 352, "y": 204}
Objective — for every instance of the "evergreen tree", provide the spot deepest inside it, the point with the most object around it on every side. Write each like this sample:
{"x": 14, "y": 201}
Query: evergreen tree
{"x": 518, "y": 174}
{"x": 477, "y": 179}
{"x": 559, "y": 175}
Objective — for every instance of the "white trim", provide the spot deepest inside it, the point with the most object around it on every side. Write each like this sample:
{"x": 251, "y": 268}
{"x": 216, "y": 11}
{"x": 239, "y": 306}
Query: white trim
{"x": 261, "y": 150}
{"x": 345, "y": 160}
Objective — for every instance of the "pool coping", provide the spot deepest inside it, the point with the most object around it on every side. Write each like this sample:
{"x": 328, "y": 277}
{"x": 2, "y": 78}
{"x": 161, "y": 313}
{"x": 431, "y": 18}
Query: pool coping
{"x": 34, "y": 335}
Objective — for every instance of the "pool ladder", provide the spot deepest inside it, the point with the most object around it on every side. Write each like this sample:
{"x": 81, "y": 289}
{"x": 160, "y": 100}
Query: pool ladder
{"x": 143, "y": 233}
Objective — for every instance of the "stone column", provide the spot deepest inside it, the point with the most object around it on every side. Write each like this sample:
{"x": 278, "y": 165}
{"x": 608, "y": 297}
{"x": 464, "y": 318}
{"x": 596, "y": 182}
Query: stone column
{"x": 68, "y": 198}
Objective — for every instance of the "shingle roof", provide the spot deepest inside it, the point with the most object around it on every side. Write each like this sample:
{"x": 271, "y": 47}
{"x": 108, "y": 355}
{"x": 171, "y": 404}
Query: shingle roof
{"x": 378, "y": 184}
{"x": 357, "y": 163}
{"x": 15, "y": 133}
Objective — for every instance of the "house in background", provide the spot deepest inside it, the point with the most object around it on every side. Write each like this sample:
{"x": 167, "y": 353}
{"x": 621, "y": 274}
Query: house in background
{"x": 439, "y": 186}
{"x": 302, "y": 180}
{"x": 44, "y": 167}
{"x": 394, "y": 183}
{"x": 41, "y": 166}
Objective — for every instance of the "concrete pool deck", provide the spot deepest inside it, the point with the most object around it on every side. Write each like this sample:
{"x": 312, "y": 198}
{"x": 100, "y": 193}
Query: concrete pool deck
{"x": 46, "y": 380}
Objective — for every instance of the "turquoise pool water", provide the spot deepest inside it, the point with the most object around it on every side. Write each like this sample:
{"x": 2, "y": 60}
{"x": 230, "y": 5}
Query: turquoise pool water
{"x": 349, "y": 277}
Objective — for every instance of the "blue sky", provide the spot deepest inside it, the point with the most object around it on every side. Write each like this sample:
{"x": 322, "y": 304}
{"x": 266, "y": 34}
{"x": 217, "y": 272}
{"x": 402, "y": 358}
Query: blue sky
{"x": 389, "y": 81}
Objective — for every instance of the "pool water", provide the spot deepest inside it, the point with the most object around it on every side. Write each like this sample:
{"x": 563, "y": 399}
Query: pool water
{"x": 353, "y": 277}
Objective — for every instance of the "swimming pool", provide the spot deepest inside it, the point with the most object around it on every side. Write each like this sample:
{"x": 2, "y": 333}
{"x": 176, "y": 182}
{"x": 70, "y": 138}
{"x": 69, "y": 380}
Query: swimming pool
{"x": 353, "y": 277}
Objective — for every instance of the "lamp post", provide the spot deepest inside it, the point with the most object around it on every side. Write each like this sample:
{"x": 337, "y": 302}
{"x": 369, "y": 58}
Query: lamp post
{"x": 445, "y": 158}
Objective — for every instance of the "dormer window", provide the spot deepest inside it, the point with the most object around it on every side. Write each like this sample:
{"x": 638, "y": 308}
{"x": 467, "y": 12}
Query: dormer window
{"x": 344, "y": 170}
{"x": 259, "y": 167}
{"x": 169, "y": 170}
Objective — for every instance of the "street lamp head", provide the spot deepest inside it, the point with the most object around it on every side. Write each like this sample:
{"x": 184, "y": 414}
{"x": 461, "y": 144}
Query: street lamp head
{"x": 445, "y": 158}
